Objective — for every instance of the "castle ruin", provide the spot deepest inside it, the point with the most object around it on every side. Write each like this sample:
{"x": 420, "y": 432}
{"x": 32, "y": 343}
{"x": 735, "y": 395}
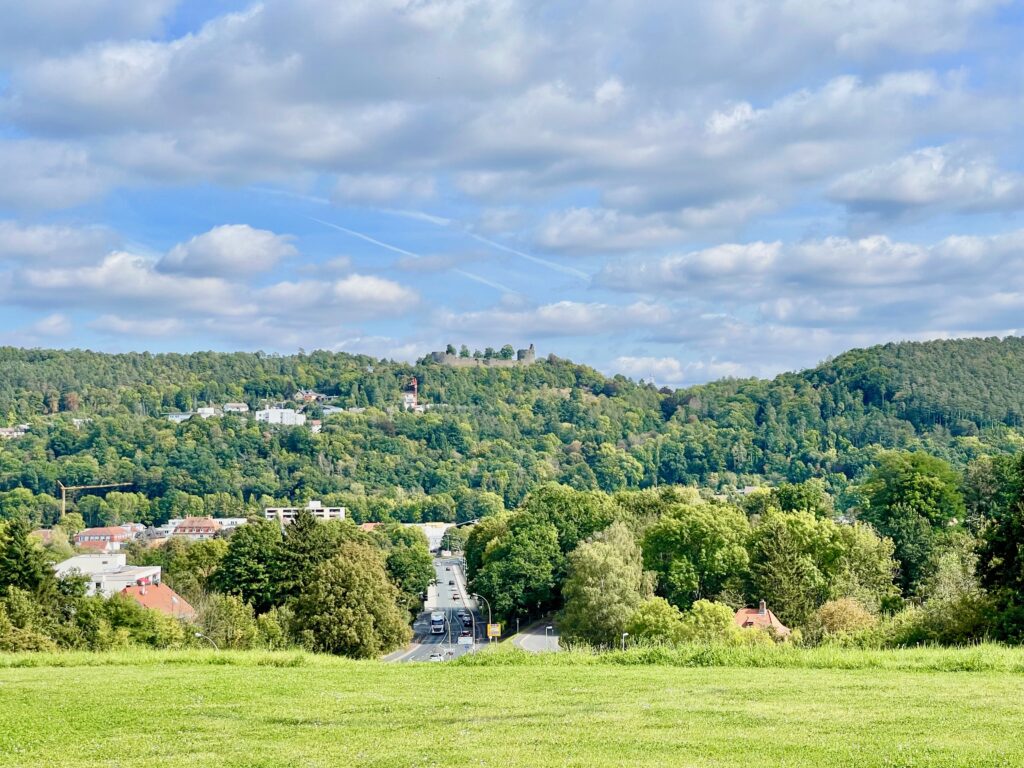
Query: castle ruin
{"x": 523, "y": 357}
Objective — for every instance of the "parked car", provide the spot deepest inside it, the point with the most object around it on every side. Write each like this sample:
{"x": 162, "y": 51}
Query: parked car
{"x": 437, "y": 657}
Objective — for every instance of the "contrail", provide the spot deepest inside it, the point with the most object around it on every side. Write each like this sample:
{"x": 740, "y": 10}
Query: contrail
{"x": 410, "y": 254}
{"x": 535, "y": 259}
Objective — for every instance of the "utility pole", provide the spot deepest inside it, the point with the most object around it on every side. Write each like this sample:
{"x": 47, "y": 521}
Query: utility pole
{"x": 65, "y": 488}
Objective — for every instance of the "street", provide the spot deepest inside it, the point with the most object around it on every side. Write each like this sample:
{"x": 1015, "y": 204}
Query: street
{"x": 442, "y": 598}
{"x": 537, "y": 638}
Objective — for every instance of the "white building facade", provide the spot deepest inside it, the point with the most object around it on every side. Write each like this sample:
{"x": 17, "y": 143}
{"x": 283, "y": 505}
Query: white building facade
{"x": 284, "y": 416}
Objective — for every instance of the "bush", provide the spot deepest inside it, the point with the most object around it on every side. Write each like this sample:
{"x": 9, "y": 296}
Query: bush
{"x": 228, "y": 622}
{"x": 839, "y": 618}
{"x": 656, "y": 621}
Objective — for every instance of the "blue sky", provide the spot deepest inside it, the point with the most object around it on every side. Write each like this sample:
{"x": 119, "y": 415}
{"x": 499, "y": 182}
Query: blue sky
{"x": 666, "y": 190}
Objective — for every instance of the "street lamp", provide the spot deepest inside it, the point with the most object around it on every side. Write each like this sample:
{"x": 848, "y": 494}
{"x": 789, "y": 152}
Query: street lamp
{"x": 624, "y": 636}
{"x": 204, "y": 637}
{"x": 488, "y": 603}
{"x": 547, "y": 642}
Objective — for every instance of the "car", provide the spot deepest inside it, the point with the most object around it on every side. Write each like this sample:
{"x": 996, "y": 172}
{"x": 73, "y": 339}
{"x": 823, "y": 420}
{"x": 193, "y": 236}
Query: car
{"x": 456, "y": 596}
{"x": 451, "y": 582}
{"x": 437, "y": 657}
{"x": 447, "y": 567}
{"x": 464, "y": 633}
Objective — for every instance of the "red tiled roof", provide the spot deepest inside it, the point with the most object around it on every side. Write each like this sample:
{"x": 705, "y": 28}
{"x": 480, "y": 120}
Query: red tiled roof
{"x": 197, "y": 524}
{"x": 161, "y": 598}
{"x": 752, "y": 617}
{"x": 99, "y": 546}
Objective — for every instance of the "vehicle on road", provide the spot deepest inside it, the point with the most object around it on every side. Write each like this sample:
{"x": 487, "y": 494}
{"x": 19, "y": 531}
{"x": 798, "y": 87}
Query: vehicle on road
{"x": 456, "y": 596}
{"x": 437, "y": 622}
{"x": 467, "y": 620}
{"x": 451, "y": 582}
{"x": 447, "y": 567}
{"x": 464, "y": 633}
{"x": 436, "y": 657}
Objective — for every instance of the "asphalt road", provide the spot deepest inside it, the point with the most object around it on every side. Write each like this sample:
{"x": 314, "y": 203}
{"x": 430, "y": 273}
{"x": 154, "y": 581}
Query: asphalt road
{"x": 537, "y": 638}
{"x": 450, "y": 598}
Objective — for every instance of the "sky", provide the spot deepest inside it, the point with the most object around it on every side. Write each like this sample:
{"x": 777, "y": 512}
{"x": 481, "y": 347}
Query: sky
{"x": 676, "y": 192}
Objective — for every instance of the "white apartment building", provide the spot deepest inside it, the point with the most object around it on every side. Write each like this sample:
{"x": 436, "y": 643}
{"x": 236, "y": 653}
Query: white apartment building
{"x": 285, "y": 416}
{"x": 236, "y": 408}
{"x": 285, "y": 515}
{"x": 108, "y": 574}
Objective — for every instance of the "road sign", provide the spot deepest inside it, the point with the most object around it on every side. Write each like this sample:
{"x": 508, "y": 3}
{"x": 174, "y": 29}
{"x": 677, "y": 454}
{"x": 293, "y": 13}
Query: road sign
{"x": 494, "y": 630}
{"x": 465, "y": 641}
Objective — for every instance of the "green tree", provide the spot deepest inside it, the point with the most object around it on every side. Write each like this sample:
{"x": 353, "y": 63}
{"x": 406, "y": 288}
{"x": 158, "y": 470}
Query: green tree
{"x": 351, "y": 607}
{"x": 22, "y": 564}
{"x": 912, "y": 498}
{"x": 519, "y": 571}
{"x": 454, "y": 540}
{"x": 307, "y": 543}
{"x": 697, "y": 551}
{"x": 656, "y": 620}
{"x": 248, "y": 567}
{"x": 605, "y": 585}
{"x": 228, "y": 621}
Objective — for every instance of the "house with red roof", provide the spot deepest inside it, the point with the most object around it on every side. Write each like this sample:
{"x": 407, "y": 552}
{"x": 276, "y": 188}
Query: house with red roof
{"x": 197, "y": 528}
{"x": 160, "y": 597}
{"x": 760, "y": 618}
{"x": 105, "y": 539}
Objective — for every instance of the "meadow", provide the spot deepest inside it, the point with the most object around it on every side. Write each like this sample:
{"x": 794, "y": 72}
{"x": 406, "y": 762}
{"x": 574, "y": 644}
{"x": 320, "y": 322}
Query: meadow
{"x": 645, "y": 707}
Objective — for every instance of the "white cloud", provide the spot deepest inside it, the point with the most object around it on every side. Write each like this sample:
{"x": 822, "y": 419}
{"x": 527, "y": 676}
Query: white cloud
{"x": 116, "y": 325}
{"x": 363, "y": 189}
{"x": 562, "y": 318}
{"x": 669, "y": 371}
{"x": 52, "y": 244}
{"x": 56, "y": 324}
{"x": 230, "y": 249}
{"x": 939, "y": 177}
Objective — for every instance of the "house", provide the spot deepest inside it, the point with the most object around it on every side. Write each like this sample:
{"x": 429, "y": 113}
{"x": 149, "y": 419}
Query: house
{"x": 107, "y": 574}
{"x": 315, "y": 425}
{"x": 197, "y": 528}
{"x": 160, "y": 597}
{"x": 9, "y": 433}
{"x": 236, "y": 408}
{"x": 308, "y": 396}
{"x": 288, "y": 514}
{"x": 105, "y": 539}
{"x": 286, "y": 416}
{"x": 178, "y": 418}
{"x": 330, "y": 410}
{"x": 228, "y": 524}
{"x": 207, "y": 412}
{"x": 760, "y": 618}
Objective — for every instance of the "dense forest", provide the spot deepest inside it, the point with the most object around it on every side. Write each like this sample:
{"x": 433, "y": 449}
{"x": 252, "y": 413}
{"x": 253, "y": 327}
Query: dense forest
{"x": 489, "y": 436}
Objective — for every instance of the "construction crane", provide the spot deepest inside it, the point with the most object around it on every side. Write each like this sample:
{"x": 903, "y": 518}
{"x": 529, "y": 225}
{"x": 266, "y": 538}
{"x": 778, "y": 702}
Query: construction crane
{"x": 65, "y": 488}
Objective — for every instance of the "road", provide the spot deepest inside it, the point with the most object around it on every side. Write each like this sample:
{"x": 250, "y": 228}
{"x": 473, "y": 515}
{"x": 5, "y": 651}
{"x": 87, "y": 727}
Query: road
{"x": 537, "y": 639}
{"x": 442, "y": 598}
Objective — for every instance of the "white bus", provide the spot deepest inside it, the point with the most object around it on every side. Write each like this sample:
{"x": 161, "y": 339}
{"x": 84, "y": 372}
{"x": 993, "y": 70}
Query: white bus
{"x": 437, "y": 623}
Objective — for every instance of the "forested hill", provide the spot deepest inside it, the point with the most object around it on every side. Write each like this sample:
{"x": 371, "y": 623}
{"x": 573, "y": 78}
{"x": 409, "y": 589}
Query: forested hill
{"x": 490, "y": 435}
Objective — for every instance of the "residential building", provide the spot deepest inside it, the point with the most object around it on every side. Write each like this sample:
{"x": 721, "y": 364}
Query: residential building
{"x": 105, "y": 539}
{"x": 236, "y": 408}
{"x": 9, "y": 433}
{"x": 285, "y": 515}
{"x": 207, "y": 412}
{"x": 315, "y": 425}
{"x": 228, "y": 524}
{"x": 178, "y": 418}
{"x": 197, "y": 528}
{"x": 308, "y": 396}
{"x": 285, "y": 416}
{"x": 330, "y": 410}
{"x": 160, "y": 597}
{"x": 108, "y": 574}
{"x": 760, "y": 618}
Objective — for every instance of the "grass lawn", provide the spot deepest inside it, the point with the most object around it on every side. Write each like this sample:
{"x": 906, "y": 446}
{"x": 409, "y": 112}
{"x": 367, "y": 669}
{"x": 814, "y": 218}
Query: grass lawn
{"x": 199, "y": 709}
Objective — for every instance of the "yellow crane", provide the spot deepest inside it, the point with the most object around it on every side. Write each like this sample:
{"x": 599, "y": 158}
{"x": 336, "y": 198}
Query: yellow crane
{"x": 65, "y": 488}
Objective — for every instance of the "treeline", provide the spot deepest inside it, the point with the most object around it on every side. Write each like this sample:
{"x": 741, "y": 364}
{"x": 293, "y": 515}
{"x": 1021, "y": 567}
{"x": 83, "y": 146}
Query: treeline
{"x": 327, "y": 587}
{"x": 930, "y": 556}
{"x": 491, "y": 436}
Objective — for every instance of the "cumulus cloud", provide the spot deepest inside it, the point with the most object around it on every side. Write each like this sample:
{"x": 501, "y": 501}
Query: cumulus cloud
{"x": 230, "y": 249}
{"x": 149, "y": 327}
{"x": 52, "y": 244}
{"x": 362, "y": 189}
{"x": 934, "y": 177}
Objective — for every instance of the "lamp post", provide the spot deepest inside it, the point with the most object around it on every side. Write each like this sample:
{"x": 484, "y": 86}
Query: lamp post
{"x": 204, "y": 637}
{"x": 488, "y": 603}
{"x": 624, "y": 636}
{"x": 547, "y": 630}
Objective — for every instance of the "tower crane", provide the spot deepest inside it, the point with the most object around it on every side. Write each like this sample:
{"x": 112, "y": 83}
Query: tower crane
{"x": 65, "y": 488}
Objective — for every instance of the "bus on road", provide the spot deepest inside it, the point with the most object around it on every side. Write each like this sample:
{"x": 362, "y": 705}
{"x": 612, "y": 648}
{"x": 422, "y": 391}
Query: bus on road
{"x": 437, "y": 622}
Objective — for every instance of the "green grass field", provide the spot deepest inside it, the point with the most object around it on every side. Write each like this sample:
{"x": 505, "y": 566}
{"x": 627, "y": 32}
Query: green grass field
{"x": 799, "y": 708}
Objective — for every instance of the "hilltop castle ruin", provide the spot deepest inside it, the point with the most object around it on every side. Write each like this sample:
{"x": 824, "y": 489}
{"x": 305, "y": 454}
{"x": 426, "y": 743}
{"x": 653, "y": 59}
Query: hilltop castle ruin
{"x": 523, "y": 357}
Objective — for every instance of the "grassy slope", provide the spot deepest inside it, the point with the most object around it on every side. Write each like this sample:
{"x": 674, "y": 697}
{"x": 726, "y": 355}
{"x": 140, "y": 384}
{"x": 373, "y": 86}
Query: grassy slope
{"x": 180, "y": 710}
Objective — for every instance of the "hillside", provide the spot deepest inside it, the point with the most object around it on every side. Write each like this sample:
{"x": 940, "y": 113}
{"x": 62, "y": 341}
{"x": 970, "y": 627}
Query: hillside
{"x": 489, "y": 434}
